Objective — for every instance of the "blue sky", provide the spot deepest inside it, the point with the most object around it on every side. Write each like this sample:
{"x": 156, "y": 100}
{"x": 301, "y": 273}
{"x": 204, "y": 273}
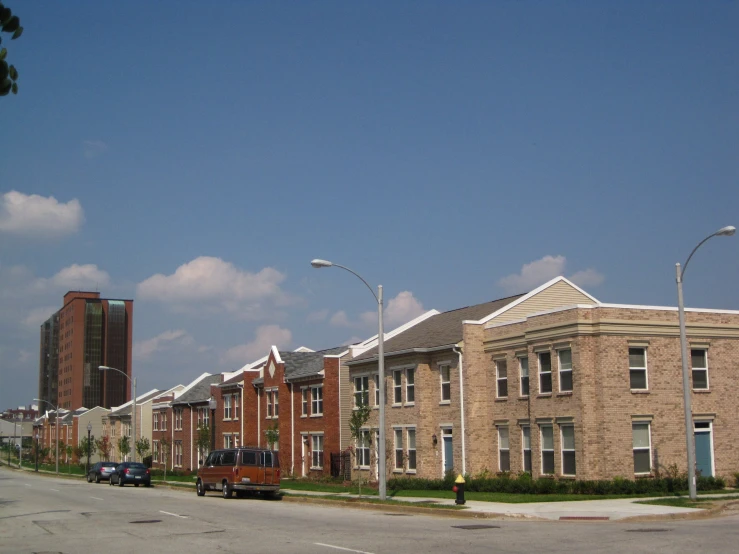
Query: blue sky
{"x": 196, "y": 157}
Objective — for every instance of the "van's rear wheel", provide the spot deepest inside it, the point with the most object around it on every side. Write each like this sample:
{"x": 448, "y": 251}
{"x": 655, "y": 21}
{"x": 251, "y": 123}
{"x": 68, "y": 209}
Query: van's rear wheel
{"x": 200, "y": 488}
{"x": 227, "y": 491}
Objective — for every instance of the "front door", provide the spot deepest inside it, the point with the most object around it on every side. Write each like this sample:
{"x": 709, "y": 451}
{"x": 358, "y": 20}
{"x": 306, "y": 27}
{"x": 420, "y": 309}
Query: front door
{"x": 448, "y": 450}
{"x": 703, "y": 449}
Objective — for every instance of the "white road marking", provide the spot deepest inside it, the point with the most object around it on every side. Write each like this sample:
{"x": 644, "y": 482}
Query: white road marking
{"x": 171, "y": 514}
{"x": 342, "y": 548}
{"x": 95, "y": 498}
{"x": 27, "y": 484}
{"x": 55, "y": 490}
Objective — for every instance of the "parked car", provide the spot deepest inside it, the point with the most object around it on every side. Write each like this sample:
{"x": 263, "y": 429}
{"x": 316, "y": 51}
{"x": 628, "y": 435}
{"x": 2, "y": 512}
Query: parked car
{"x": 131, "y": 472}
{"x": 101, "y": 471}
{"x": 240, "y": 470}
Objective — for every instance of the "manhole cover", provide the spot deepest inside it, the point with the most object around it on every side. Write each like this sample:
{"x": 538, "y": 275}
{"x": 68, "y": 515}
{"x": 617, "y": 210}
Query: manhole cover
{"x": 474, "y": 527}
{"x": 647, "y": 530}
{"x": 147, "y": 521}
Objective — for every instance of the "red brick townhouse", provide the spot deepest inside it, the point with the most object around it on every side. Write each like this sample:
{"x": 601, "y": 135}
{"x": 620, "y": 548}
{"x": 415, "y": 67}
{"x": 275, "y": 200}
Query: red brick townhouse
{"x": 161, "y": 427}
{"x": 236, "y": 409}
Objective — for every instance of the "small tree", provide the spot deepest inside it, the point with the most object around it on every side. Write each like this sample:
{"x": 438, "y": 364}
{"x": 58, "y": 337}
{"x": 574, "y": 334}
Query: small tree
{"x": 273, "y": 435}
{"x": 124, "y": 447}
{"x": 104, "y": 446}
{"x": 202, "y": 440}
{"x": 142, "y": 447}
{"x": 164, "y": 449}
{"x": 82, "y": 450}
{"x": 357, "y": 421}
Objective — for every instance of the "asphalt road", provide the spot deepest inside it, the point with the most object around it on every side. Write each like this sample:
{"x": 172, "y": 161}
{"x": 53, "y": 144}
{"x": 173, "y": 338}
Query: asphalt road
{"x": 47, "y": 514}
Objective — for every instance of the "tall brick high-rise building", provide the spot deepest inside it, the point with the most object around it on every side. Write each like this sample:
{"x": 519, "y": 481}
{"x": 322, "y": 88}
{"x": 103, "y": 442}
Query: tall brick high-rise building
{"x": 87, "y": 332}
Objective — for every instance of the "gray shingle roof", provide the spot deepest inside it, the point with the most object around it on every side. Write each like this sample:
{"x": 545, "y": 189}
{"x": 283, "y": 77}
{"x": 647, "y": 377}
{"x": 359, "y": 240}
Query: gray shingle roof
{"x": 200, "y": 392}
{"x": 299, "y": 365}
{"x": 126, "y": 410}
{"x": 439, "y": 330}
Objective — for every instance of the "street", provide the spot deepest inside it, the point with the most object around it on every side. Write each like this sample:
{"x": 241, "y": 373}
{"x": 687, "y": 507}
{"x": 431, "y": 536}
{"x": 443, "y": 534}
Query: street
{"x": 48, "y": 514}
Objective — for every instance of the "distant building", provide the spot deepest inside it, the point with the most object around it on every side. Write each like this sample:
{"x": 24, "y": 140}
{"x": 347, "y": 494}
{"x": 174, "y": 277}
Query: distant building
{"x": 88, "y": 331}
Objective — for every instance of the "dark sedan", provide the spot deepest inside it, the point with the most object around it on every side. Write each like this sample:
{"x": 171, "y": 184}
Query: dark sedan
{"x": 100, "y": 471}
{"x": 131, "y": 472}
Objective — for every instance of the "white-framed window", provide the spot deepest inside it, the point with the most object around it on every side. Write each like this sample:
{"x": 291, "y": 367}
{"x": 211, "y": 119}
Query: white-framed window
{"x": 317, "y": 452}
{"x": 446, "y": 383}
{"x": 410, "y": 385}
{"x": 235, "y": 411}
{"x": 567, "y": 433}
{"x": 228, "y": 440}
{"x": 178, "y": 453}
{"x": 363, "y": 449}
{"x": 565, "y": 369}
{"x": 699, "y": 361}
{"x": 361, "y": 391}
{"x": 164, "y": 422}
{"x": 236, "y": 440}
{"x": 376, "y": 379}
{"x": 273, "y": 408}
{"x": 316, "y": 394}
{"x": 501, "y": 377}
{"x": 398, "y": 450}
{"x": 178, "y": 419}
{"x": 398, "y": 386}
{"x": 155, "y": 421}
{"x": 642, "y": 445}
{"x": 155, "y": 451}
{"x": 227, "y": 410}
{"x": 526, "y": 447}
{"x": 504, "y": 453}
{"x": 304, "y": 402}
{"x": 203, "y": 416}
{"x": 547, "y": 449}
{"x": 545, "y": 372}
{"x": 523, "y": 372}
{"x": 638, "y": 368}
{"x": 411, "y": 449}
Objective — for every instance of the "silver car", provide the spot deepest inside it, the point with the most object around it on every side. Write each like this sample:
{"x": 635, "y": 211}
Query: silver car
{"x": 100, "y": 471}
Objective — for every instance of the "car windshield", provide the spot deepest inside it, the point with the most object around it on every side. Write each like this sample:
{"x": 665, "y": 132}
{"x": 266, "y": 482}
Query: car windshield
{"x": 137, "y": 465}
{"x": 111, "y": 464}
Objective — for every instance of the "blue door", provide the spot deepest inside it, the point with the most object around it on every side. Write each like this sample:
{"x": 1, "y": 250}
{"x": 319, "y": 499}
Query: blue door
{"x": 703, "y": 454}
{"x": 448, "y": 453}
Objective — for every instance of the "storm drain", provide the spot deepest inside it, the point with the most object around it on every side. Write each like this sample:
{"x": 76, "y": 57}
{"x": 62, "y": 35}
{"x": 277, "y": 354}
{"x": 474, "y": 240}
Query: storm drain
{"x": 475, "y": 527}
{"x": 147, "y": 521}
{"x": 647, "y": 530}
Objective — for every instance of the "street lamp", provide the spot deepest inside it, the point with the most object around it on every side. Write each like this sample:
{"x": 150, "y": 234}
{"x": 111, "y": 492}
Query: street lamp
{"x": 56, "y": 411}
{"x": 89, "y": 446}
{"x": 317, "y": 263}
{"x": 133, "y": 406}
{"x": 689, "y": 437}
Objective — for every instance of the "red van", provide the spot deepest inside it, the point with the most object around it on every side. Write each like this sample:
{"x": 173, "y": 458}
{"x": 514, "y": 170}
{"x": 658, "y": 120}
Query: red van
{"x": 240, "y": 469}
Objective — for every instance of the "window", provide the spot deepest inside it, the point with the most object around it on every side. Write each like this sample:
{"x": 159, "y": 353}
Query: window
{"x": 501, "y": 374}
{"x": 155, "y": 423}
{"x": 565, "y": 370}
{"x": 276, "y": 401}
{"x": 699, "y": 361}
{"x": 236, "y": 440}
{"x": 317, "y": 452}
{"x": 547, "y": 449}
{"x": 227, "y": 406}
{"x": 155, "y": 451}
{"x": 203, "y": 417}
{"x": 361, "y": 391}
{"x": 376, "y": 379}
{"x": 411, "y": 450}
{"x": 235, "y": 410}
{"x": 410, "y": 385}
{"x": 642, "y": 448}
{"x": 164, "y": 422}
{"x": 523, "y": 371}
{"x": 398, "y": 449}
{"x": 272, "y": 404}
{"x": 446, "y": 383}
{"x": 304, "y": 402}
{"x": 568, "y": 449}
{"x": 316, "y": 401}
{"x": 526, "y": 443}
{"x": 228, "y": 441}
{"x": 504, "y": 453}
{"x": 363, "y": 449}
{"x": 638, "y": 368}
{"x": 178, "y": 453}
{"x": 397, "y": 387}
{"x": 545, "y": 373}
{"x": 178, "y": 419}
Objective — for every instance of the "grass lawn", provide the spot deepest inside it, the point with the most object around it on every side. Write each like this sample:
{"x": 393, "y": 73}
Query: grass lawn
{"x": 686, "y": 502}
{"x": 389, "y": 501}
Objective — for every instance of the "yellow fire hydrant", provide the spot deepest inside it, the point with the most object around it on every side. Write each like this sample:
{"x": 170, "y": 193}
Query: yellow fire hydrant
{"x": 459, "y": 489}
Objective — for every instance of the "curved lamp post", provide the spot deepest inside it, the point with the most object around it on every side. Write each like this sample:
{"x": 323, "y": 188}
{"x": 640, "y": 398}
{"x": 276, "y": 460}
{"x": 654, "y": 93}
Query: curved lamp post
{"x": 133, "y": 405}
{"x": 56, "y": 411}
{"x": 317, "y": 263}
{"x": 689, "y": 437}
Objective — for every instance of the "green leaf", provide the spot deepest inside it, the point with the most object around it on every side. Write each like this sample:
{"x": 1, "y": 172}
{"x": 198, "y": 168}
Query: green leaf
{"x": 3, "y": 53}
{"x": 12, "y": 24}
{"x": 18, "y": 33}
{"x": 5, "y": 86}
{"x": 14, "y": 88}
{"x": 4, "y": 71}
{"x": 13, "y": 72}
{"x": 5, "y": 14}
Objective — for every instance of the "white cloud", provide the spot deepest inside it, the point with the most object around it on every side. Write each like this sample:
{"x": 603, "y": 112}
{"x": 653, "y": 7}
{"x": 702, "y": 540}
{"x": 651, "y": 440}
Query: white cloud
{"x": 93, "y": 148}
{"x": 339, "y": 319}
{"x": 35, "y": 317}
{"x": 399, "y": 310}
{"x": 74, "y": 277}
{"x": 36, "y": 215}
{"x": 220, "y": 283}
{"x": 145, "y": 348}
{"x": 266, "y": 336}
{"x": 540, "y": 271}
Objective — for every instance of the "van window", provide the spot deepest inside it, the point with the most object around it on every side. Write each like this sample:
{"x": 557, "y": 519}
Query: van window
{"x": 228, "y": 458}
{"x": 249, "y": 458}
{"x": 270, "y": 459}
{"x": 211, "y": 461}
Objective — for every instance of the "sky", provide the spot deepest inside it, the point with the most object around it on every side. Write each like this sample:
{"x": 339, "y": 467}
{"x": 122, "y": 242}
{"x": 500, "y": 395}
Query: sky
{"x": 196, "y": 157}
